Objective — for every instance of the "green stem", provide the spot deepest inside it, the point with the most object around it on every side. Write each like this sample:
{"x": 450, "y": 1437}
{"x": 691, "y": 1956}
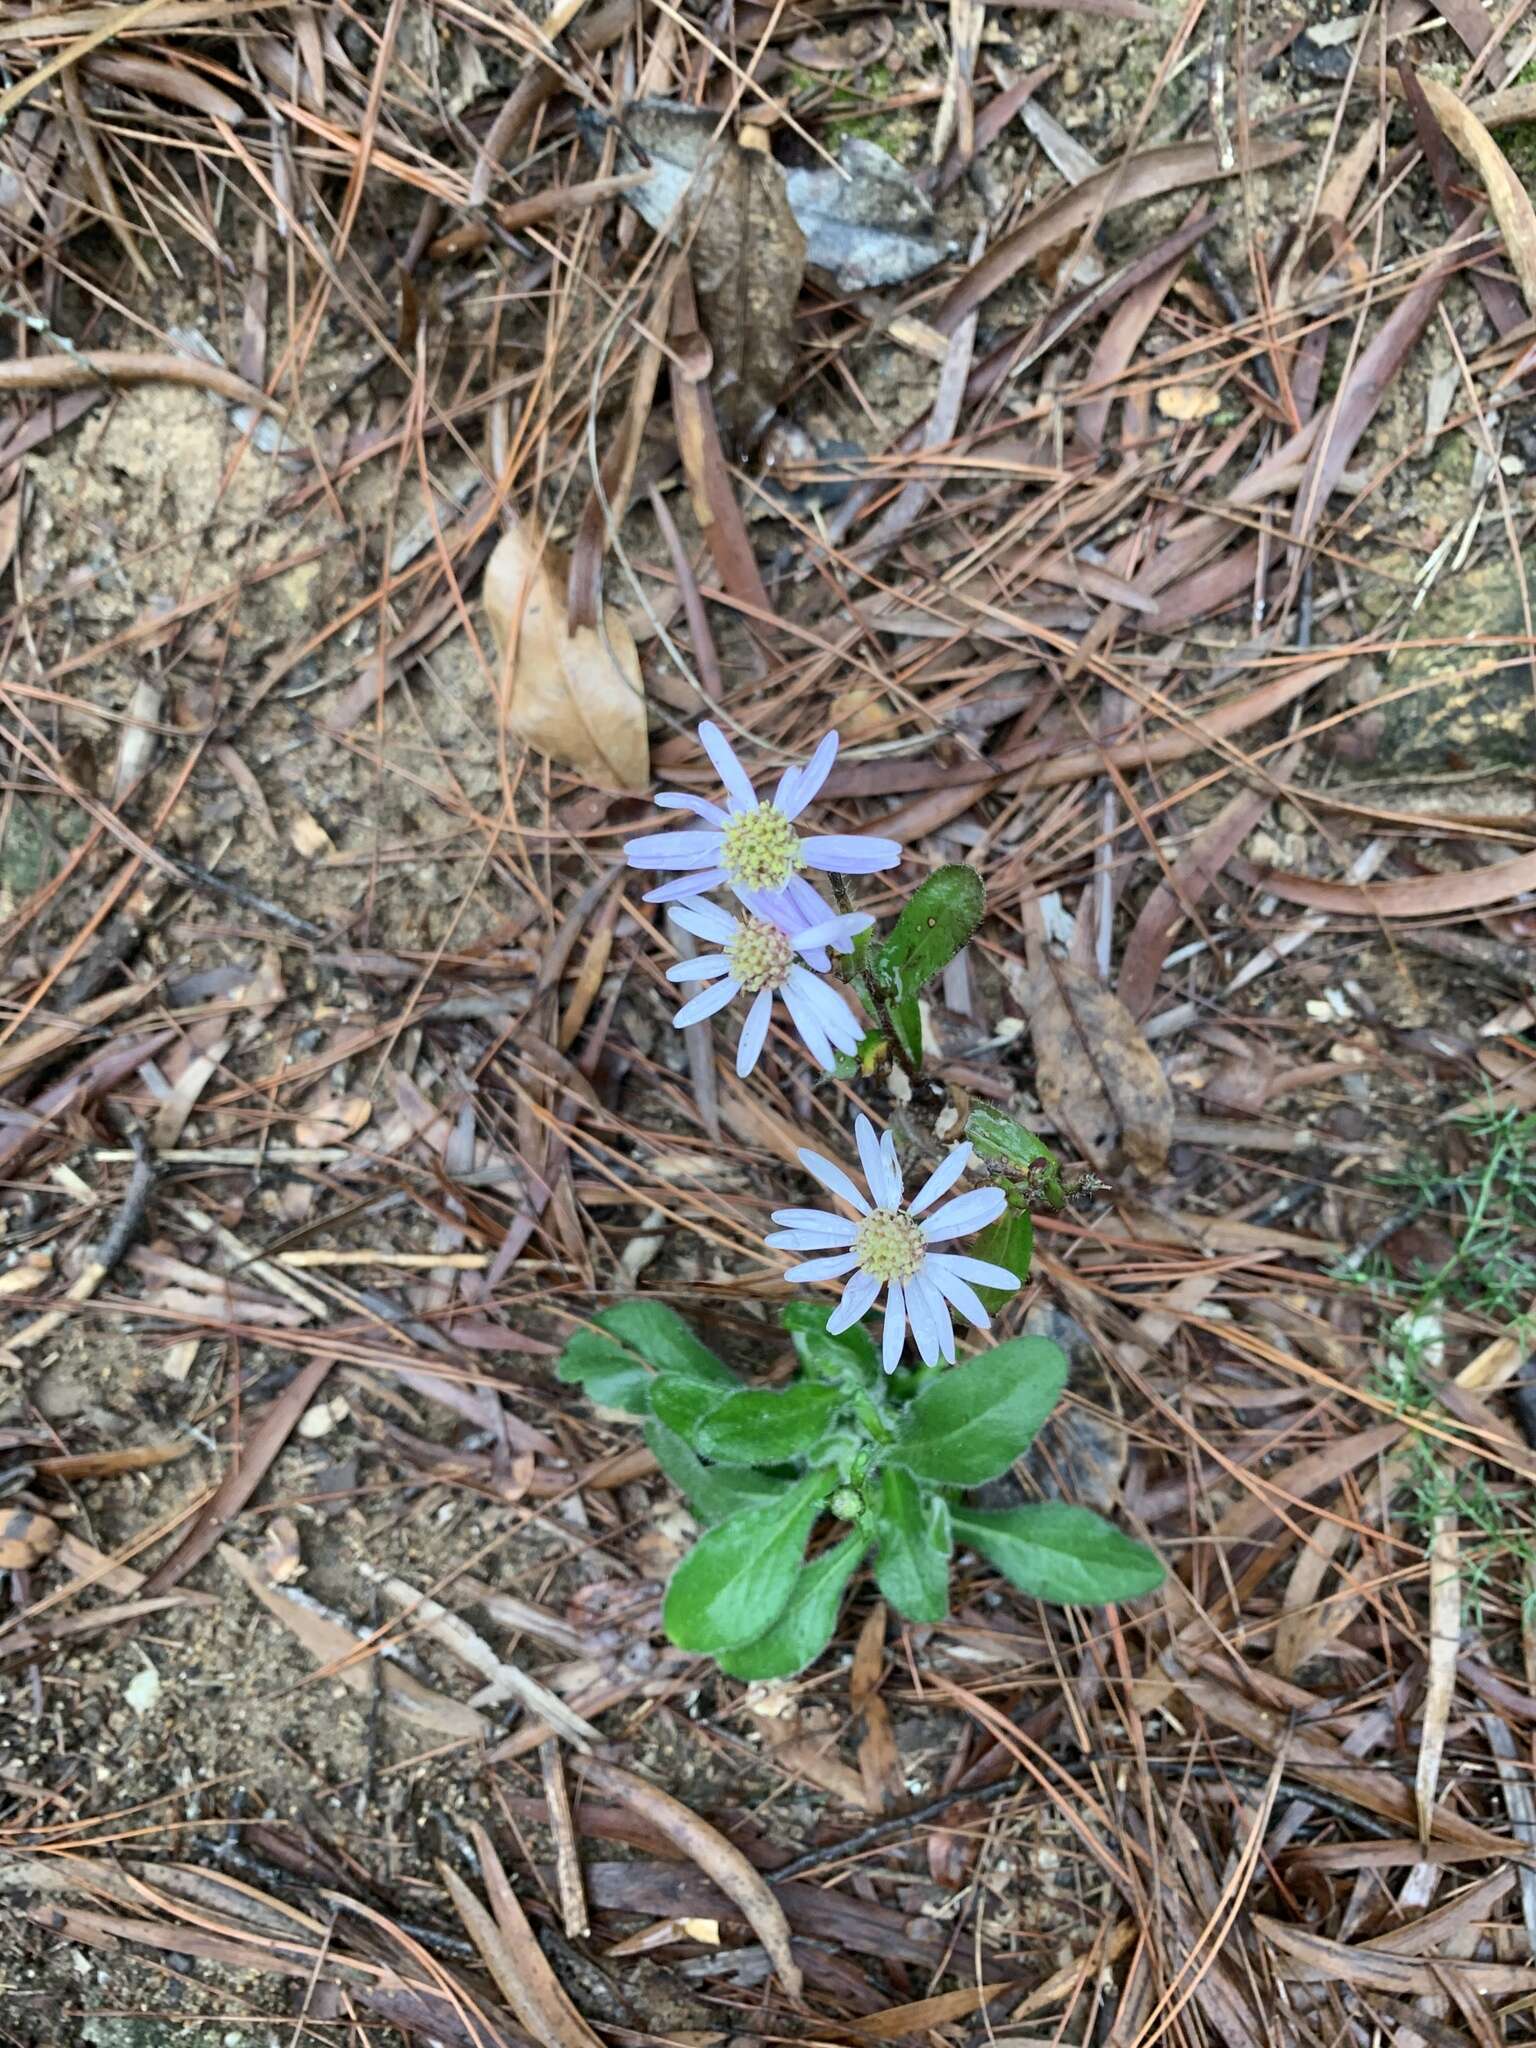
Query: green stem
{"x": 864, "y": 982}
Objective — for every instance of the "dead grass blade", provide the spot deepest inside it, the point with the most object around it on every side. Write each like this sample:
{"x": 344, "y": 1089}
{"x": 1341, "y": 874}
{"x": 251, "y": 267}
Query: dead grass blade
{"x": 1151, "y": 174}
{"x": 715, "y": 1856}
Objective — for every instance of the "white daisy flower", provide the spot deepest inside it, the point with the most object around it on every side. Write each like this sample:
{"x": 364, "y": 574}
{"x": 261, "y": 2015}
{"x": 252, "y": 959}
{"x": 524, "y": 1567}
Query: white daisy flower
{"x": 760, "y": 958}
{"x": 754, "y": 847}
{"x": 887, "y": 1247}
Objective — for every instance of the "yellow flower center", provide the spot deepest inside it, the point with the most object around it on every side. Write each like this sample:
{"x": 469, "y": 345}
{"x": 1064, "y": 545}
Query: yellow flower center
{"x": 760, "y": 956}
{"x": 761, "y": 849}
{"x": 890, "y": 1245}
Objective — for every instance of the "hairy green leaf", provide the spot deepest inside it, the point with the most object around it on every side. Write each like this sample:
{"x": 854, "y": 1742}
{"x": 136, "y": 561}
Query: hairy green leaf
{"x": 760, "y": 1427}
{"x": 999, "y": 1138}
{"x": 682, "y": 1404}
{"x": 1064, "y": 1554}
{"x": 607, "y": 1372}
{"x": 712, "y": 1491}
{"x": 848, "y": 1359}
{"x": 972, "y": 1422}
{"x": 664, "y": 1340}
{"x": 940, "y": 918}
{"x": 1009, "y": 1243}
{"x": 911, "y": 1527}
{"x": 737, "y": 1579}
{"x": 807, "y": 1624}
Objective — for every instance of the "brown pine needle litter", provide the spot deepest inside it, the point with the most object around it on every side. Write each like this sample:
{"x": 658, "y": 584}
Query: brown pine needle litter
{"x": 1119, "y": 424}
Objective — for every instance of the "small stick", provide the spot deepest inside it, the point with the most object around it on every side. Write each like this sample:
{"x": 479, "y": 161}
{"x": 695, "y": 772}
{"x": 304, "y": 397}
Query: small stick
{"x": 124, "y": 1228}
{"x": 129, "y": 366}
{"x": 573, "y": 1897}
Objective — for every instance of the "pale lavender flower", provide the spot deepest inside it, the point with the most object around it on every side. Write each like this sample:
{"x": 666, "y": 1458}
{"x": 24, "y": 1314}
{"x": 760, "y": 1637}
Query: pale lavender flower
{"x": 760, "y": 958}
{"x": 753, "y": 847}
{"x": 886, "y": 1246}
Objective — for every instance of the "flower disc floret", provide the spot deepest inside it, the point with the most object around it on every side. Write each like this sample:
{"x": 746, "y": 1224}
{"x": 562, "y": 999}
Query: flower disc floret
{"x": 761, "y": 956}
{"x": 760, "y": 850}
{"x": 890, "y": 1245}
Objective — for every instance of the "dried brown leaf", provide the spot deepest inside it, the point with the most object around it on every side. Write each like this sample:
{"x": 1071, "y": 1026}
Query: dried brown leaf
{"x": 577, "y": 696}
{"x": 724, "y": 201}
{"x": 1099, "y": 1080}
{"x": 1318, "y": 1958}
{"x": 26, "y": 1538}
{"x": 715, "y": 1856}
{"x": 1508, "y": 198}
{"x": 513, "y": 1956}
{"x": 910, "y": 2022}
{"x": 1424, "y": 896}
{"x": 1181, "y": 890}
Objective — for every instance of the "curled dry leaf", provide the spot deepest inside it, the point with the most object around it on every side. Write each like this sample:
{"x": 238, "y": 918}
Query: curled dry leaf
{"x": 865, "y": 222}
{"x": 1508, "y": 198}
{"x": 511, "y": 1953}
{"x": 1098, "y": 1079}
{"x": 723, "y": 201}
{"x": 576, "y": 695}
{"x": 715, "y": 1856}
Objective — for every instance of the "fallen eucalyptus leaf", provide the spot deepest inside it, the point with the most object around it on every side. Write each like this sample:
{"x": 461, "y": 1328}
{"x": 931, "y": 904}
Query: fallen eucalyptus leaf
{"x": 1507, "y": 196}
{"x": 576, "y": 696}
{"x": 724, "y": 202}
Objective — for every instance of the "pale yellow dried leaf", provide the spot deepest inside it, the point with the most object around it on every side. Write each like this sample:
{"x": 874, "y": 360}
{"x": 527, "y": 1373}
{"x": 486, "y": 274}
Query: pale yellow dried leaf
{"x": 310, "y": 837}
{"x": 1508, "y": 198}
{"x": 576, "y": 696}
{"x": 1188, "y": 401}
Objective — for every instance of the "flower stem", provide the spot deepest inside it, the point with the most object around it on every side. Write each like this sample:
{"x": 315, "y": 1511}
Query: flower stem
{"x": 864, "y": 982}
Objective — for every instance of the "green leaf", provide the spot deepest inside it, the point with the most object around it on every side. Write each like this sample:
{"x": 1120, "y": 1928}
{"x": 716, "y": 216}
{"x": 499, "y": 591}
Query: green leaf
{"x": 911, "y": 1527}
{"x": 907, "y": 1022}
{"x": 664, "y": 1341}
{"x": 1009, "y": 1243}
{"x": 605, "y": 1371}
{"x": 995, "y": 1136}
{"x": 1054, "y": 1552}
{"x": 941, "y": 916}
{"x": 972, "y": 1422}
{"x": 848, "y": 1359}
{"x": 712, "y": 1491}
{"x": 807, "y": 1624}
{"x": 759, "y": 1427}
{"x": 737, "y": 1579}
{"x": 682, "y": 1404}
